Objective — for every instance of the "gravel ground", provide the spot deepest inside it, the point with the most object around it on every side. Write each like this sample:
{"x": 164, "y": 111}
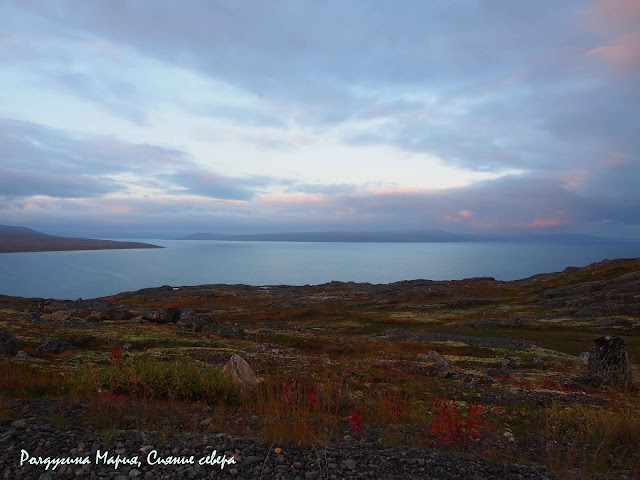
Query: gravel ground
{"x": 345, "y": 460}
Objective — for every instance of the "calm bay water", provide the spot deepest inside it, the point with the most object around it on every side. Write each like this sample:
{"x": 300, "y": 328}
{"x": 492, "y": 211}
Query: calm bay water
{"x": 89, "y": 274}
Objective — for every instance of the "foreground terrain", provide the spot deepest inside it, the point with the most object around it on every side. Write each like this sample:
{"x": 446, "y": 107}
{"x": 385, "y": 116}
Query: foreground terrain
{"x": 474, "y": 379}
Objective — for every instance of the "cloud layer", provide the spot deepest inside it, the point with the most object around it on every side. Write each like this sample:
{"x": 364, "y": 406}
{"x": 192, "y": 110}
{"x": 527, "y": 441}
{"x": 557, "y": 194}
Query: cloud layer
{"x": 287, "y": 115}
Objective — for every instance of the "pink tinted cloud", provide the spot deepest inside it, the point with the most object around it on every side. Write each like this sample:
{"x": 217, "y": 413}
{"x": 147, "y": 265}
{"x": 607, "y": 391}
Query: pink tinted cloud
{"x": 608, "y": 16}
{"x": 465, "y": 213}
{"x": 617, "y": 159}
{"x": 544, "y": 222}
{"x": 623, "y": 53}
{"x": 575, "y": 178}
{"x": 618, "y": 22}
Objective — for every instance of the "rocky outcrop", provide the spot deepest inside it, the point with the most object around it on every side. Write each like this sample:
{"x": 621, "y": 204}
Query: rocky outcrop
{"x": 609, "y": 363}
{"x": 115, "y": 313}
{"x": 241, "y": 372}
{"x": 8, "y": 343}
{"x": 203, "y": 323}
{"x": 163, "y": 315}
{"x": 53, "y": 345}
{"x": 68, "y": 315}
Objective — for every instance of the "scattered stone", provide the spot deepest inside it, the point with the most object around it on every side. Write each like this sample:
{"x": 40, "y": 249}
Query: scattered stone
{"x": 434, "y": 357}
{"x": 231, "y": 331}
{"x": 508, "y": 364}
{"x": 22, "y": 354}
{"x": 251, "y": 460}
{"x": 53, "y": 345}
{"x": 18, "y": 424}
{"x": 241, "y": 372}
{"x": 69, "y": 315}
{"x": 609, "y": 363}
{"x": 8, "y": 343}
{"x": 127, "y": 347}
{"x": 539, "y": 362}
{"x": 349, "y": 463}
{"x": 83, "y": 340}
{"x": 584, "y": 357}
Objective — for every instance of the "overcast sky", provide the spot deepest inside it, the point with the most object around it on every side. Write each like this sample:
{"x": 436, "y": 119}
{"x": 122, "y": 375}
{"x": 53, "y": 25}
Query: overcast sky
{"x": 260, "y": 116}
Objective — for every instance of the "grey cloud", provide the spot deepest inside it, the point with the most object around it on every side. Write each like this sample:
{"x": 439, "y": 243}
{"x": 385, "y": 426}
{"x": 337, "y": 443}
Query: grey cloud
{"x": 25, "y": 183}
{"x": 30, "y": 145}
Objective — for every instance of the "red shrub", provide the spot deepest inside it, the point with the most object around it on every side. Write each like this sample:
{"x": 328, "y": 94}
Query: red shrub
{"x": 355, "y": 421}
{"x": 450, "y": 426}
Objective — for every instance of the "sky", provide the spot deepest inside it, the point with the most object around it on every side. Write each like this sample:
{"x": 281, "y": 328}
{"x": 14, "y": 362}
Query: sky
{"x": 159, "y": 117}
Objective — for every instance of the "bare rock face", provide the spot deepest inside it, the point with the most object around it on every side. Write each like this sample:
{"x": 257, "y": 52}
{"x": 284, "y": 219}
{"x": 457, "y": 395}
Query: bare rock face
{"x": 609, "y": 363}
{"x": 241, "y": 372}
{"x": 8, "y": 343}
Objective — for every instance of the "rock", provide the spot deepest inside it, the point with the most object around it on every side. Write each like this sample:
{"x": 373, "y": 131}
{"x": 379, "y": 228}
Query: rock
{"x": 508, "y": 364}
{"x": 251, "y": 460}
{"x": 8, "y": 343}
{"x": 609, "y": 363}
{"x": 204, "y": 323}
{"x": 538, "y": 362}
{"x": 127, "y": 347}
{"x": 584, "y": 357}
{"x": 241, "y": 372}
{"x": 53, "y": 345}
{"x": 61, "y": 316}
{"x": 115, "y": 313}
{"x": 68, "y": 315}
{"x": 83, "y": 340}
{"x": 349, "y": 463}
{"x": 93, "y": 318}
{"x": 36, "y": 305}
{"x": 231, "y": 331}
{"x": 163, "y": 315}
{"x": 18, "y": 424}
{"x": 22, "y": 354}
{"x": 434, "y": 357}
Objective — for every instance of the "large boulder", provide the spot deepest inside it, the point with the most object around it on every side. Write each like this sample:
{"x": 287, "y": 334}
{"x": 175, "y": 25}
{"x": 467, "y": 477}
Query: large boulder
{"x": 609, "y": 363}
{"x": 53, "y": 345}
{"x": 115, "y": 313}
{"x": 8, "y": 343}
{"x": 204, "y": 323}
{"x": 163, "y": 315}
{"x": 230, "y": 331}
{"x": 241, "y": 372}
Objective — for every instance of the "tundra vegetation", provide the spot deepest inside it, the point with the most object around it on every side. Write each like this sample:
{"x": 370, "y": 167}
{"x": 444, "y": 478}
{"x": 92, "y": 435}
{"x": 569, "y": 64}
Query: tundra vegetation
{"x": 480, "y": 366}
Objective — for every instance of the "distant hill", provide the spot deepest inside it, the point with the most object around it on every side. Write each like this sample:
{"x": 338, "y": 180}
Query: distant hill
{"x": 22, "y": 239}
{"x": 397, "y": 236}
